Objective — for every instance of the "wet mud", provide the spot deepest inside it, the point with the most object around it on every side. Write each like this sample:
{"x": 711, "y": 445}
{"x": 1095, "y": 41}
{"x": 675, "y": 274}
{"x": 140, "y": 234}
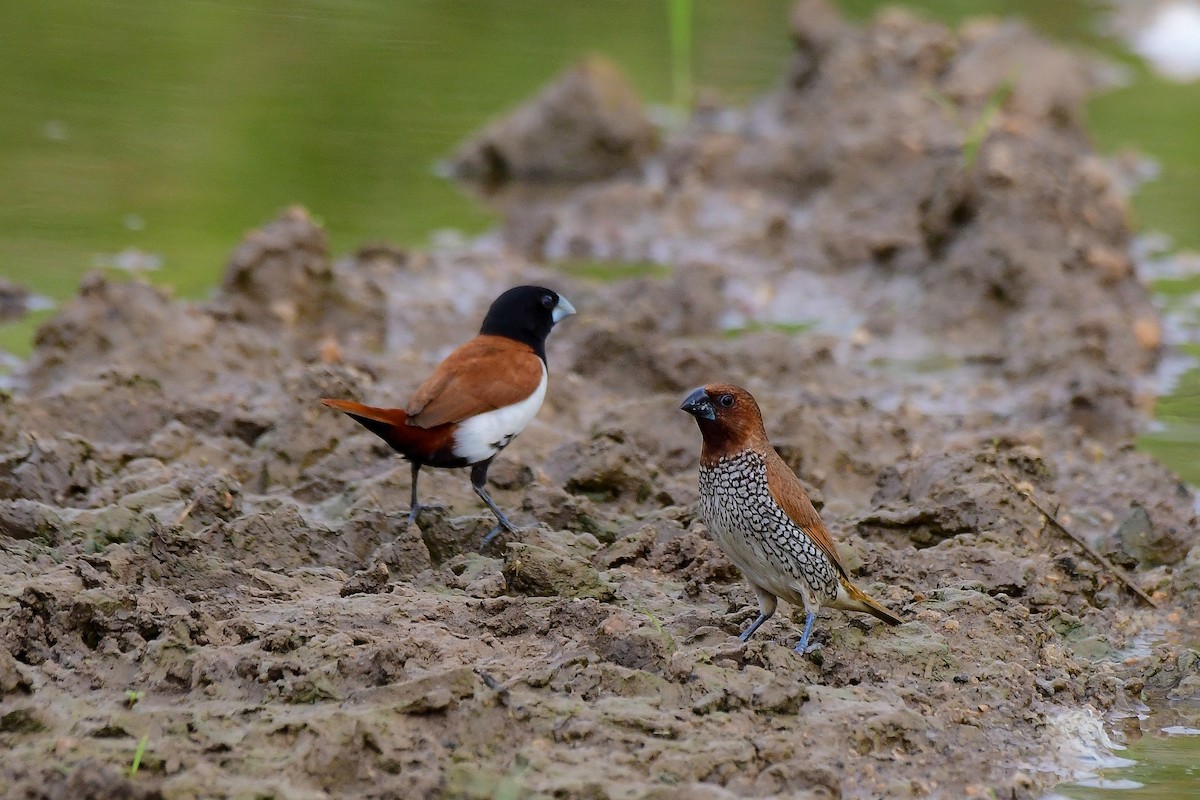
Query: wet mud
{"x": 14, "y": 301}
{"x": 940, "y": 319}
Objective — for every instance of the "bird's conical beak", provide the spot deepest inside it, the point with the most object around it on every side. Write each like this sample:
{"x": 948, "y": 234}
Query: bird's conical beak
{"x": 563, "y": 310}
{"x": 699, "y": 405}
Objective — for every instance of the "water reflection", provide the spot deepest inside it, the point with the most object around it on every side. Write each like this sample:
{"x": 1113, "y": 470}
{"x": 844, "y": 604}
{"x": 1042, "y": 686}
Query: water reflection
{"x": 1170, "y": 40}
{"x": 1160, "y": 764}
{"x": 171, "y": 129}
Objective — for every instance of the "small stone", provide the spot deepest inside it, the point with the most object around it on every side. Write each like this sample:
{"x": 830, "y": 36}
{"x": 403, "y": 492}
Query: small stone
{"x": 14, "y": 301}
{"x": 510, "y": 475}
{"x": 368, "y": 581}
{"x": 12, "y": 677}
{"x": 1148, "y": 333}
{"x": 1187, "y": 691}
{"x": 539, "y": 572}
{"x": 1147, "y": 543}
{"x": 27, "y": 519}
{"x": 1113, "y": 265}
{"x": 433, "y": 693}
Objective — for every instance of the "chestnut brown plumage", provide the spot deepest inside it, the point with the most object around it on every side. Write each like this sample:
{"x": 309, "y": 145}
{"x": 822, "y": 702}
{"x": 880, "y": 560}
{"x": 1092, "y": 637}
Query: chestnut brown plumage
{"x": 760, "y": 515}
{"x": 478, "y": 399}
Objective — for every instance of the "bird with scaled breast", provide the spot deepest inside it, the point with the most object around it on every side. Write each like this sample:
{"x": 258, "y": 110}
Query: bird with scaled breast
{"x": 478, "y": 399}
{"x": 760, "y": 515}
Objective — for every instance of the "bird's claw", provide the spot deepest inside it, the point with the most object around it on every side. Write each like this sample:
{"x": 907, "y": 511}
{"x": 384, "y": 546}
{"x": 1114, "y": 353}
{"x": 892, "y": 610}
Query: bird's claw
{"x": 809, "y": 618}
{"x": 415, "y": 512}
{"x": 499, "y": 528}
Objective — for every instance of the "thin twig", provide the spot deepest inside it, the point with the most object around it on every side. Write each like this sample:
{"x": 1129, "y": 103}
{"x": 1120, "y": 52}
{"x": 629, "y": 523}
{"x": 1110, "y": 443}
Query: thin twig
{"x": 1120, "y": 574}
{"x": 187, "y": 511}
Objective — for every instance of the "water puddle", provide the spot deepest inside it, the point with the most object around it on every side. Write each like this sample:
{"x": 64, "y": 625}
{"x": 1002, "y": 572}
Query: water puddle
{"x": 1169, "y": 38}
{"x": 1175, "y": 431}
{"x": 1159, "y": 761}
{"x": 1150, "y": 753}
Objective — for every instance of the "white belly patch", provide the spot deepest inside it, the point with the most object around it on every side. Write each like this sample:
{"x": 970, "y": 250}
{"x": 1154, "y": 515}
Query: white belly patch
{"x": 482, "y": 436}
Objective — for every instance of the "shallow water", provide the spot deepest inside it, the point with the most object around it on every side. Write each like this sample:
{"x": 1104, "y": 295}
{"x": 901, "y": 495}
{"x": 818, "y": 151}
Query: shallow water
{"x": 161, "y": 134}
{"x": 151, "y": 137}
{"x": 1160, "y": 763}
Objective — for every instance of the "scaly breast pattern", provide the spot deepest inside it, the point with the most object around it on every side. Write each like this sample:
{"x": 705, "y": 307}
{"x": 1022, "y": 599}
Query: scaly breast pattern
{"x": 757, "y": 535}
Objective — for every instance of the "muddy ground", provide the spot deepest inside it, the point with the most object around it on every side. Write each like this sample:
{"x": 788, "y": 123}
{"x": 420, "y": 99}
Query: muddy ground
{"x": 938, "y": 317}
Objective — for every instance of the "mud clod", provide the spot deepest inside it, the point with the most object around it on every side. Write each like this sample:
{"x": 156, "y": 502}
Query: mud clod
{"x": 280, "y": 273}
{"x": 541, "y": 572}
{"x": 28, "y": 519}
{"x": 367, "y": 581}
{"x": 88, "y": 780}
{"x": 14, "y": 301}
{"x": 21, "y": 721}
{"x": 13, "y": 679}
{"x": 428, "y": 694}
{"x": 588, "y": 124}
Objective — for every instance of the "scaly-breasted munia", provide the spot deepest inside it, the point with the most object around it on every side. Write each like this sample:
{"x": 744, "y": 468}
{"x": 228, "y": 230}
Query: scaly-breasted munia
{"x": 760, "y": 515}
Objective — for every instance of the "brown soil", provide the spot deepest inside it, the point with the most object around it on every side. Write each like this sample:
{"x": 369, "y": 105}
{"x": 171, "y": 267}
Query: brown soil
{"x": 180, "y": 518}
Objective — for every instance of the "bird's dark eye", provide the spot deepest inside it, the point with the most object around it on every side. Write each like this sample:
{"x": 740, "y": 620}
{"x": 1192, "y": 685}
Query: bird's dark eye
{"x": 547, "y": 301}
{"x": 726, "y": 400}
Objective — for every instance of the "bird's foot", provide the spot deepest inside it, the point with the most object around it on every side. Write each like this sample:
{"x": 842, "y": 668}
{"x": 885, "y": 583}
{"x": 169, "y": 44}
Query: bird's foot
{"x": 502, "y": 521}
{"x": 496, "y": 531}
{"x": 416, "y": 510}
{"x": 809, "y": 619}
{"x": 758, "y": 621}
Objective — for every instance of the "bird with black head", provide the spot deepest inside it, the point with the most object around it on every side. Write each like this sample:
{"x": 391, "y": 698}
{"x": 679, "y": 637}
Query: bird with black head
{"x": 478, "y": 398}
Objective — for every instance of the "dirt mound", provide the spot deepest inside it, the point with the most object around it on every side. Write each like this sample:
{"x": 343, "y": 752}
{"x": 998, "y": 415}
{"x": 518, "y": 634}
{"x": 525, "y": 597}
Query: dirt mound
{"x": 14, "y": 301}
{"x": 599, "y": 128}
{"x": 923, "y": 277}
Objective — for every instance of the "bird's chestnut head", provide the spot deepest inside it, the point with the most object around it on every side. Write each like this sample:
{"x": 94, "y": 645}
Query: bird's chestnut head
{"x": 728, "y": 416}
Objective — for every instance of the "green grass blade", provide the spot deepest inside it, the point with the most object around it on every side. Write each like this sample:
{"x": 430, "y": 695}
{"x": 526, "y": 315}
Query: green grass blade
{"x": 137, "y": 755}
{"x": 681, "y": 53}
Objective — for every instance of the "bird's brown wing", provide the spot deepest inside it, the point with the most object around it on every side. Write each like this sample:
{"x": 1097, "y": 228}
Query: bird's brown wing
{"x": 486, "y": 373}
{"x": 785, "y": 488}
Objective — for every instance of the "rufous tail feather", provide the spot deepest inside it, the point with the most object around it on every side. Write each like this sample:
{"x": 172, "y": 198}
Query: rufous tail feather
{"x": 388, "y": 416}
{"x": 388, "y": 424}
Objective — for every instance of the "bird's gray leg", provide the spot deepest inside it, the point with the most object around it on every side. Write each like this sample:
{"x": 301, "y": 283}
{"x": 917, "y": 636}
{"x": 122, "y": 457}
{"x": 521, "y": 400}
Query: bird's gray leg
{"x": 809, "y": 618}
{"x": 414, "y": 507}
{"x": 479, "y": 484}
{"x": 766, "y": 605}
{"x": 811, "y": 606}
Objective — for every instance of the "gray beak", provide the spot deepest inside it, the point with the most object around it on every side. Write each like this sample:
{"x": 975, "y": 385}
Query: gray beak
{"x": 561, "y": 311}
{"x": 699, "y": 405}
